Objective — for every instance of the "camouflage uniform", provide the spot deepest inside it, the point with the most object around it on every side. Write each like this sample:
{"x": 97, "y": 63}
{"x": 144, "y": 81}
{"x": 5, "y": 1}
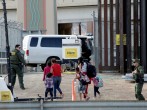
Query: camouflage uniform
{"x": 16, "y": 61}
{"x": 139, "y": 80}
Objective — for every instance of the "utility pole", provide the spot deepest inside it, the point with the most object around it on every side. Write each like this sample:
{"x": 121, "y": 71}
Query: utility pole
{"x": 55, "y": 16}
{"x": 96, "y": 50}
{"x": 7, "y": 46}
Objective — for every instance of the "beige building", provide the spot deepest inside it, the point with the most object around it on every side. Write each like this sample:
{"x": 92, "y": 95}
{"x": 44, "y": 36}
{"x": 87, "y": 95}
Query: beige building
{"x": 11, "y": 6}
{"x": 75, "y": 16}
{"x": 70, "y": 16}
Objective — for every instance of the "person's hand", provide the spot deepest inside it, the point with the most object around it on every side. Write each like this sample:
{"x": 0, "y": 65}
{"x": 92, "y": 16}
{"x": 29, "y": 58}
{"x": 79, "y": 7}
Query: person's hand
{"x": 134, "y": 72}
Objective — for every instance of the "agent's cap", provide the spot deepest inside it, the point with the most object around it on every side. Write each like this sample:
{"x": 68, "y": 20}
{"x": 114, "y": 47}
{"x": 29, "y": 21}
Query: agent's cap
{"x": 136, "y": 61}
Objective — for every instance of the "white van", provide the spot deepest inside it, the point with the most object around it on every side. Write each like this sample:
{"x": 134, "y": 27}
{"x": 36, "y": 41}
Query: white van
{"x": 39, "y": 49}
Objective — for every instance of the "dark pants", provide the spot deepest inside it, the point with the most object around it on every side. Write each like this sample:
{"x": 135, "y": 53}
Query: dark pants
{"x": 96, "y": 90}
{"x": 16, "y": 69}
{"x": 138, "y": 90}
{"x": 57, "y": 81}
{"x": 49, "y": 90}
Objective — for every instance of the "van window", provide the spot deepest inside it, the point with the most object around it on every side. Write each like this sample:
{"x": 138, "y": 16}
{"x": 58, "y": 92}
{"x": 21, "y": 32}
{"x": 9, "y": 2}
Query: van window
{"x": 34, "y": 42}
{"x": 51, "y": 42}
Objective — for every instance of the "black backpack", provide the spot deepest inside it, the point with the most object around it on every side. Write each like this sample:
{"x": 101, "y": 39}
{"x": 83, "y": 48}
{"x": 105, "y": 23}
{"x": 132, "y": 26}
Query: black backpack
{"x": 91, "y": 70}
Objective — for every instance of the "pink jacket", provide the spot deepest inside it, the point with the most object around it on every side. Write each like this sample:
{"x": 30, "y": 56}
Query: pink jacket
{"x": 46, "y": 71}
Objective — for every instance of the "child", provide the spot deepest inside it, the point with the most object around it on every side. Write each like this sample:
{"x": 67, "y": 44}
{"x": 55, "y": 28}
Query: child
{"x": 81, "y": 87}
{"x": 49, "y": 85}
{"x": 96, "y": 88}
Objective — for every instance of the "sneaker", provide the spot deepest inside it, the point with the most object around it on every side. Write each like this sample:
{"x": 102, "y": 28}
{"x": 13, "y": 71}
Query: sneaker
{"x": 23, "y": 88}
{"x": 51, "y": 98}
{"x": 87, "y": 98}
{"x": 62, "y": 95}
{"x": 94, "y": 98}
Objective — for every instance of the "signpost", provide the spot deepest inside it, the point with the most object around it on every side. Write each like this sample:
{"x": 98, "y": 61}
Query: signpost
{"x": 7, "y": 45}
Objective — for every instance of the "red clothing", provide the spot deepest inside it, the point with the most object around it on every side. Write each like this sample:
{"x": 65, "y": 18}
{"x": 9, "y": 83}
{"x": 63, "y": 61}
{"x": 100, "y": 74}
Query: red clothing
{"x": 46, "y": 71}
{"x": 56, "y": 69}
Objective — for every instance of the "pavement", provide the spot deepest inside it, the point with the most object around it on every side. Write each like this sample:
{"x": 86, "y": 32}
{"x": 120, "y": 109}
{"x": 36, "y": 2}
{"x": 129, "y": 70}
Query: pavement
{"x": 115, "y": 88}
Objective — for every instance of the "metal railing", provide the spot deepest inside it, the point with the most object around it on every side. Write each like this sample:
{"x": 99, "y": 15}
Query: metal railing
{"x": 101, "y": 105}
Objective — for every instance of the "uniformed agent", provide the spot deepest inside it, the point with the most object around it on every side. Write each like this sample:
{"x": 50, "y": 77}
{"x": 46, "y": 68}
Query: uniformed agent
{"x": 138, "y": 75}
{"x": 17, "y": 62}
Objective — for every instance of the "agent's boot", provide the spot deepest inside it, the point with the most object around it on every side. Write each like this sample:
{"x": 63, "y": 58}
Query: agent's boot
{"x": 23, "y": 88}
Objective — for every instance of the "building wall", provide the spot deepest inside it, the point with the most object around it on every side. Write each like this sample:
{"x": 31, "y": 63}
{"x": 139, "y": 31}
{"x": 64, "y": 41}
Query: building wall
{"x": 42, "y": 12}
{"x": 11, "y": 9}
{"x": 75, "y": 14}
{"x": 65, "y": 3}
{"x": 51, "y": 17}
{"x": 65, "y": 7}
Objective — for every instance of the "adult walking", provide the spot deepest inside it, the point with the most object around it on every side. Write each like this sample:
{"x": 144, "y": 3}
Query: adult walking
{"x": 56, "y": 70}
{"x": 83, "y": 69}
{"x": 17, "y": 62}
{"x": 138, "y": 76}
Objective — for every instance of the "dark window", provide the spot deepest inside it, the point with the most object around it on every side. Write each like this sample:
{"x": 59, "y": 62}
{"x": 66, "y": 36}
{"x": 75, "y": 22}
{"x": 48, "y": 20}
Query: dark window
{"x": 34, "y": 42}
{"x": 51, "y": 42}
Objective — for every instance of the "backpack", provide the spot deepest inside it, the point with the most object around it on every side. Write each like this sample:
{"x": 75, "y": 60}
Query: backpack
{"x": 91, "y": 70}
{"x": 100, "y": 81}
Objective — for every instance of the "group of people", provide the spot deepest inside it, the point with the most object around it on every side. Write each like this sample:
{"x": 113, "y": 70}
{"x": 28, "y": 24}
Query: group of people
{"x": 52, "y": 73}
{"x": 52, "y": 76}
{"x": 81, "y": 73}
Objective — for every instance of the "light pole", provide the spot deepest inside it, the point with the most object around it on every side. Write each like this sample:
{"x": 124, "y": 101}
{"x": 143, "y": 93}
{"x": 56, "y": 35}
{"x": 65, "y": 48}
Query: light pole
{"x": 7, "y": 46}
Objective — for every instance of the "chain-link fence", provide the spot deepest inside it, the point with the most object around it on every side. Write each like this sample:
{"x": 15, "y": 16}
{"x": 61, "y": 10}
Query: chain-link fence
{"x": 15, "y": 37}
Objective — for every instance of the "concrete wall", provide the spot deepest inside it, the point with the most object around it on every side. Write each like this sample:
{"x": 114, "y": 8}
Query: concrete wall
{"x": 11, "y": 9}
{"x": 76, "y": 14}
{"x": 51, "y": 17}
{"x": 49, "y": 12}
{"x": 64, "y": 3}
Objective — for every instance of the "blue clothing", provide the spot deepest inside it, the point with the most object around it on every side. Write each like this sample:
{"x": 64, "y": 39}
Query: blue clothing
{"x": 81, "y": 88}
{"x": 57, "y": 81}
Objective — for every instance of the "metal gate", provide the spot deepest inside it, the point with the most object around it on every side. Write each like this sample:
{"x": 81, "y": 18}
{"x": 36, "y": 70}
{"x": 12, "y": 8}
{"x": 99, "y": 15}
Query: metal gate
{"x": 104, "y": 32}
{"x": 15, "y": 37}
{"x": 118, "y": 40}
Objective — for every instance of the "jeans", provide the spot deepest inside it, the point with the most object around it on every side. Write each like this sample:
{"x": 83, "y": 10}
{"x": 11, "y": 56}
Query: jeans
{"x": 57, "y": 81}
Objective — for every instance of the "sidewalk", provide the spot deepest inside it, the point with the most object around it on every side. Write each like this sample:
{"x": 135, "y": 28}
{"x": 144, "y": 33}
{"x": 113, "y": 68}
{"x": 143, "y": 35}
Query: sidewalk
{"x": 115, "y": 88}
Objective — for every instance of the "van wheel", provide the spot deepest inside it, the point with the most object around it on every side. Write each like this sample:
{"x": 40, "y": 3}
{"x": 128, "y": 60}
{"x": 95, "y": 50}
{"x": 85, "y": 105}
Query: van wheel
{"x": 42, "y": 66}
